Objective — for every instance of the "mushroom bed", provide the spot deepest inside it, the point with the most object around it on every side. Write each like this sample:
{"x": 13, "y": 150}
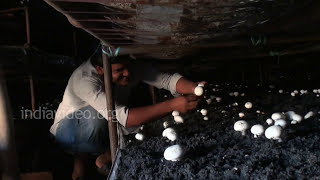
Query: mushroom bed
{"x": 214, "y": 150}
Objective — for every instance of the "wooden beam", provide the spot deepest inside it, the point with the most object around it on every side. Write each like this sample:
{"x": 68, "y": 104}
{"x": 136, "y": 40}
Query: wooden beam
{"x": 74, "y": 22}
{"x": 112, "y": 121}
{"x": 11, "y": 10}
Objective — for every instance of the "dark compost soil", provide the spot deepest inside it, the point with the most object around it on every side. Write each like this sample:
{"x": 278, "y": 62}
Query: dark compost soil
{"x": 215, "y": 151}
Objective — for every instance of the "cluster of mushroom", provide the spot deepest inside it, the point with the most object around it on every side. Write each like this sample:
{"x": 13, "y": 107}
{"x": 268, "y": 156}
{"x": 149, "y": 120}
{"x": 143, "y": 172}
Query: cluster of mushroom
{"x": 174, "y": 152}
{"x": 272, "y": 132}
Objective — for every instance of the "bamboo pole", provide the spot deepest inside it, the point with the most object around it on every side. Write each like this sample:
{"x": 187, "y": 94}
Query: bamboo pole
{"x": 8, "y": 156}
{"x": 110, "y": 105}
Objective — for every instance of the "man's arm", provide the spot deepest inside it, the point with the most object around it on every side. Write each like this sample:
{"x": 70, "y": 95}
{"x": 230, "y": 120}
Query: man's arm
{"x": 185, "y": 86}
{"x": 175, "y": 83}
{"x": 141, "y": 115}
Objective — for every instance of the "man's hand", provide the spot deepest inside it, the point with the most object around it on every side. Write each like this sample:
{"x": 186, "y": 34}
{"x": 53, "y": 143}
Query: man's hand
{"x": 186, "y": 103}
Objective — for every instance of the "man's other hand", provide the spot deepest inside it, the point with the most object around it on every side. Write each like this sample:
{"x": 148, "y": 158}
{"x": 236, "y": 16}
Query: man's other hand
{"x": 183, "y": 104}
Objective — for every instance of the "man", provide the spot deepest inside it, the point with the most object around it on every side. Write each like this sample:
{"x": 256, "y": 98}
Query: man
{"x": 80, "y": 124}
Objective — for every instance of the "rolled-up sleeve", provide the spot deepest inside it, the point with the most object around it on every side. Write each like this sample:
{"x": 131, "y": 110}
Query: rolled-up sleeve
{"x": 159, "y": 79}
{"x": 94, "y": 95}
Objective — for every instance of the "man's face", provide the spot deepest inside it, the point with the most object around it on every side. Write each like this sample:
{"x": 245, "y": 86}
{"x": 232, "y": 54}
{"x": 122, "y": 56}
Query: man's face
{"x": 120, "y": 73}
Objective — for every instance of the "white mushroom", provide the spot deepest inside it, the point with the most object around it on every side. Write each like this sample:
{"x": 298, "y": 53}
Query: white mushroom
{"x": 241, "y": 115}
{"x": 277, "y": 116}
{"x": 209, "y": 101}
{"x": 235, "y": 104}
{"x": 170, "y": 133}
{"x": 198, "y": 91}
{"x": 236, "y": 94}
{"x": 248, "y": 105}
{"x": 139, "y": 136}
{"x": 296, "y": 118}
{"x": 203, "y": 112}
{"x": 175, "y": 113}
{"x": 290, "y": 114}
{"x": 281, "y": 122}
{"x": 174, "y": 153}
{"x": 293, "y": 94}
{"x": 242, "y": 94}
{"x": 218, "y": 99}
{"x": 273, "y": 132}
{"x": 241, "y": 126}
{"x": 201, "y": 84}
{"x": 165, "y": 124}
{"x": 308, "y": 115}
{"x": 257, "y": 130}
{"x": 206, "y": 118}
{"x": 172, "y": 136}
{"x": 166, "y": 131}
{"x": 280, "y": 91}
{"x": 178, "y": 119}
{"x": 269, "y": 121}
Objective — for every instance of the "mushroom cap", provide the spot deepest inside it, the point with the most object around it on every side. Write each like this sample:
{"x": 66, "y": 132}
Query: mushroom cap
{"x": 204, "y": 112}
{"x": 198, "y": 91}
{"x": 241, "y": 125}
{"x": 166, "y": 131}
{"x": 218, "y": 99}
{"x": 269, "y": 121}
{"x": 308, "y": 115}
{"x": 178, "y": 119}
{"x": 281, "y": 123}
{"x": 174, "y": 152}
{"x": 273, "y": 132}
{"x": 289, "y": 114}
{"x": 257, "y": 129}
{"x": 201, "y": 84}
{"x": 206, "y": 118}
{"x": 276, "y": 116}
{"x": 248, "y": 105}
{"x": 236, "y": 94}
{"x": 241, "y": 114}
{"x": 172, "y": 135}
{"x": 296, "y": 117}
{"x": 209, "y": 101}
{"x": 165, "y": 124}
{"x": 139, "y": 136}
{"x": 175, "y": 113}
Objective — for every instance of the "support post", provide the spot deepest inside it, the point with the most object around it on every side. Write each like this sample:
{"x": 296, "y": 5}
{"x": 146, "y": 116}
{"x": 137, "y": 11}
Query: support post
{"x": 153, "y": 94}
{"x": 110, "y": 105}
{"x": 33, "y": 106}
{"x": 8, "y": 157}
{"x": 26, "y": 12}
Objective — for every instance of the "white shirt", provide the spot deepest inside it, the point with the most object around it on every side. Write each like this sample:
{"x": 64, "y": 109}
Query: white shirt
{"x": 85, "y": 87}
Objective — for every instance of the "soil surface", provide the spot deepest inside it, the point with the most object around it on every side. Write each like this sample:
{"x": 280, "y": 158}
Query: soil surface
{"x": 215, "y": 151}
